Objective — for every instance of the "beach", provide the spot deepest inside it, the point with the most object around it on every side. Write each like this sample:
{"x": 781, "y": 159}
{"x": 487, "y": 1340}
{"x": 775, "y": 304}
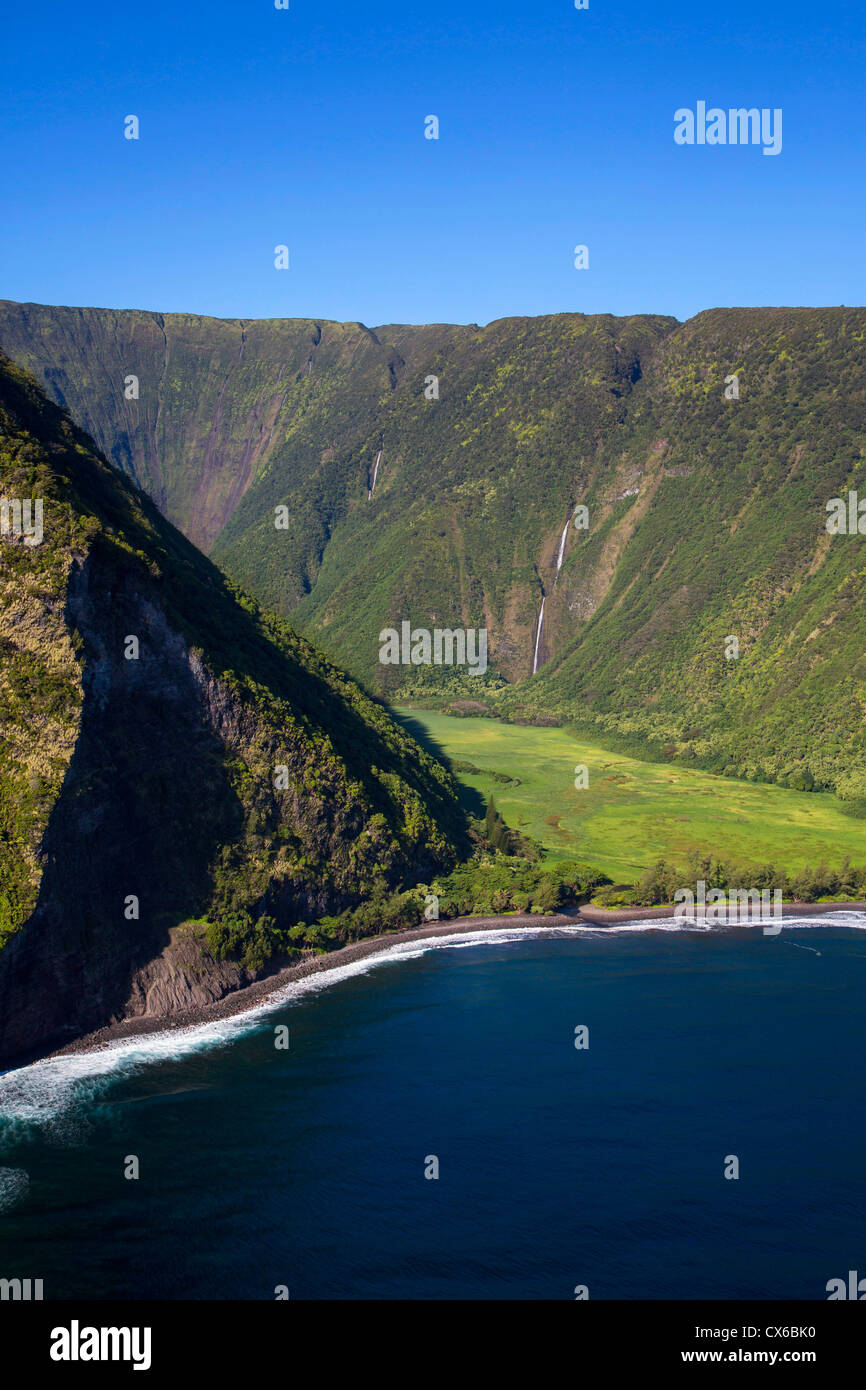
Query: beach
{"x": 258, "y": 993}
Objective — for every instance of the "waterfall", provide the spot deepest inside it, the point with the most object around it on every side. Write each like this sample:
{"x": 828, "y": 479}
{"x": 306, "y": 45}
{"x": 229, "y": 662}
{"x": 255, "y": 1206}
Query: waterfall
{"x": 375, "y": 472}
{"x": 538, "y": 635}
{"x": 559, "y": 559}
{"x": 561, "y": 556}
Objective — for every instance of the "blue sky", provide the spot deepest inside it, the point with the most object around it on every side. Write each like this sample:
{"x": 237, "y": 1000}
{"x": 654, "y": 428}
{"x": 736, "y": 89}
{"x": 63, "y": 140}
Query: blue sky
{"x": 306, "y": 128}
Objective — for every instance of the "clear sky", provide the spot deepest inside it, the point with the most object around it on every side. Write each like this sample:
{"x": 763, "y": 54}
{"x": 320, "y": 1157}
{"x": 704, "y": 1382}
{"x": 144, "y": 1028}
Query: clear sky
{"x": 305, "y": 127}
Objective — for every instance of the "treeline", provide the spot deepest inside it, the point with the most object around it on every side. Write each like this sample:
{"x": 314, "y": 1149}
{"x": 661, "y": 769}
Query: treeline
{"x": 494, "y": 882}
{"x": 506, "y": 874}
{"x": 490, "y": 885}
{"x": 659, "y": 884}
{"x": 504, "y": 840}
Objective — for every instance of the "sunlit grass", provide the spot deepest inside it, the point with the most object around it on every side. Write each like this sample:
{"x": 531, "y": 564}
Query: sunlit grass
{"x": 633, "y": 813}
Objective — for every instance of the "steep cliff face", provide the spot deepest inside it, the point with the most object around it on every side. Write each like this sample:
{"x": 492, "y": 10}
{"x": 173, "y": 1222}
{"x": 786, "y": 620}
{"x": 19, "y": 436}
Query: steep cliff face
{"x": 703, "y": 453}
{"x": 707, "y": 608}
{"x": 474, "y": 489}
{"x": 167, "y": 752}
{"x": 195, "y": 409}
{"x": 483, "y": 434}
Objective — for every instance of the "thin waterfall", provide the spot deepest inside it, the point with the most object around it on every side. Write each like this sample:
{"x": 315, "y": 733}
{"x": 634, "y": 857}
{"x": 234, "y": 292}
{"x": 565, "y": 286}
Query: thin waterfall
{"x": 538, "y": 635}
{"x": 375, "y": 472}
{"x": 559, "y": 559}
{"x": 561, "y": 556}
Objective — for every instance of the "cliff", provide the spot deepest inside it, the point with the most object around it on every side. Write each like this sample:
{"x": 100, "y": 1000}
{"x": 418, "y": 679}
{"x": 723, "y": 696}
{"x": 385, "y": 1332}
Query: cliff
{"x": 168, "y": 752}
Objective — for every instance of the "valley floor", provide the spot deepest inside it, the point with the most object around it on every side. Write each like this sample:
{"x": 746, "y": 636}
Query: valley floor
{"x": 633, "y": 813}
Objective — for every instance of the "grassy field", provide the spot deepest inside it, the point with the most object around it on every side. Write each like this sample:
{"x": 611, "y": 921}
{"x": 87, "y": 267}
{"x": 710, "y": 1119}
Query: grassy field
{"x": 633, "y": 813}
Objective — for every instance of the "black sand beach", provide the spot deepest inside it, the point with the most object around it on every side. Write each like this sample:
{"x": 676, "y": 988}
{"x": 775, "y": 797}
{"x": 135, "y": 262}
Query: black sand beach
{"x": 259, "y": 992}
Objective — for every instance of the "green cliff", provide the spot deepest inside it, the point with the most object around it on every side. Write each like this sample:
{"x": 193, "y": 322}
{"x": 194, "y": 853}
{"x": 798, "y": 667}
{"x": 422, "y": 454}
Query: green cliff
{"x": 167, "y": 750}
{"x": 706, "y": 514}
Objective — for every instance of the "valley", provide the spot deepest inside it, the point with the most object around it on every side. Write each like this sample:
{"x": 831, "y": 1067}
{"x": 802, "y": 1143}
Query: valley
{"x": 313, "y": 464}
{"x": 616, "y": 573}
{"x": 633, "y": 813}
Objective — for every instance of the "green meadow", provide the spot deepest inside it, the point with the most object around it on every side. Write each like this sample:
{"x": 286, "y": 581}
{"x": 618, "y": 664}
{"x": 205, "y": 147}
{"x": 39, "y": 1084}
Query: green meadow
{"x": 634, "y": 813}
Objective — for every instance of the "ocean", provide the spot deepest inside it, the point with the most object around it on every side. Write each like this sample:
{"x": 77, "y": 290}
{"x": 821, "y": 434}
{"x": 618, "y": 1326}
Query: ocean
{"x": 432, "y": 1130}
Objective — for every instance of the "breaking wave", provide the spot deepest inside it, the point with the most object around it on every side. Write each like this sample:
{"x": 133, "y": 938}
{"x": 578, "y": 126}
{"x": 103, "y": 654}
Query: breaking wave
{"x": 46, "y": 1093}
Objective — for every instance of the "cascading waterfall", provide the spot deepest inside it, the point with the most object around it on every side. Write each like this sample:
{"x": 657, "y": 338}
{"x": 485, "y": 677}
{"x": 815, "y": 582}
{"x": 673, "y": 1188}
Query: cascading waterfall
{"x": 561, "y": 556}
{"x": 538, "y": 635}
{"x": 559, "y": 559}
{"x": 375, "y": 472}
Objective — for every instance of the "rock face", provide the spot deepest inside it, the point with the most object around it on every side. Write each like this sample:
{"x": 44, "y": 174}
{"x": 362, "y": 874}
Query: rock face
{"x": 704, "y": 453}
{"x": 195, "y": 409}
{"x": 233, "y": 418}
{"x": 168, "y": 753}
{"x": 182, "y": 979}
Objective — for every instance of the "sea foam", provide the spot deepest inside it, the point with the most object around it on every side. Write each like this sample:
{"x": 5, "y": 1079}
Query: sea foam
{"x": 41, "y": 1094}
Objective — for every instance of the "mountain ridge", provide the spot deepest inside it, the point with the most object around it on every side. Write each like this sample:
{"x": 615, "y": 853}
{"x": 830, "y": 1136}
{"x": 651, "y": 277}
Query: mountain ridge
{"x": 474, "y": 489}
{"x": 169, "y": 753}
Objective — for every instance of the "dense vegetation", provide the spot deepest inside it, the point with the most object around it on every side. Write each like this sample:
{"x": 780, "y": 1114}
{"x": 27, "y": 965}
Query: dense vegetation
{"x": 706, "y": 514}
{"x": 505, "y": 873}
{"x": 229, "y": 771}
{"x": 625, "y": 812}
{"x": 810, "y": 885}
{"x": 490, "y": 884}
{"x": 727, "y": 538}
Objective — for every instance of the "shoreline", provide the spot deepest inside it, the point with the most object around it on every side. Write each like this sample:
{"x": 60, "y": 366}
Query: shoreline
{"x": 260, "y": 991}
{"x": 241, "y": 1000}
{"x": 601, "y": 915}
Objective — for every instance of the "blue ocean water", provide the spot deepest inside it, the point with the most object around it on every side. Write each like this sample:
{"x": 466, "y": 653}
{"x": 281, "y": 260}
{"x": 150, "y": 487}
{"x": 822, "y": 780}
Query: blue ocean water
{"x": 558, "y": 1166}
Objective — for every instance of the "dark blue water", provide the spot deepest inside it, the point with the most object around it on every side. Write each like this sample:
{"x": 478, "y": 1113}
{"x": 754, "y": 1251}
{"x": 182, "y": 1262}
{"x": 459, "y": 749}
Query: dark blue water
{"x": 557, "y": 1167}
